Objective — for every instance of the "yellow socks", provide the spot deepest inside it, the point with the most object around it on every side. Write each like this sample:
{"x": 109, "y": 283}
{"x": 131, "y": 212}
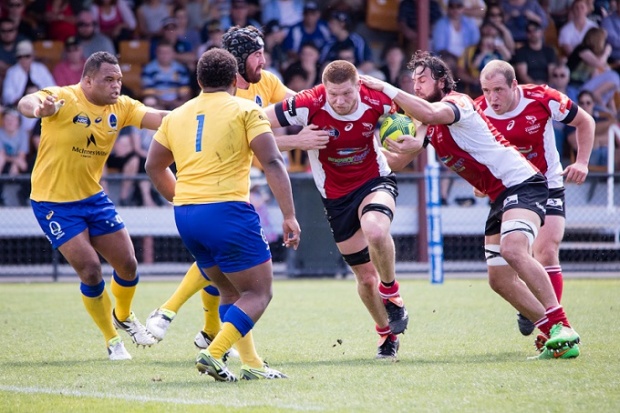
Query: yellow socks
{"x": 192, "y": 282}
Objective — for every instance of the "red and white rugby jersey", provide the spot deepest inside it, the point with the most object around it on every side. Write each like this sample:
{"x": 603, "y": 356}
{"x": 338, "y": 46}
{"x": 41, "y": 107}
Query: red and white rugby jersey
{"x": 352, "y": 156}
{"x": 529, "y": 126}
{"x": 474, "y": 149}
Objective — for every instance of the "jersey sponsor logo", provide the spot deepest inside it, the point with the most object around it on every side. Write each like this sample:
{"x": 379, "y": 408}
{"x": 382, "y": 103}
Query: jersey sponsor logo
{"x": 258, "y": 100}
{"x": 91, "y": 139}
{"x": 532, "y": 129}
{"x": 348, "y": 127}
{"x": 81, "y": 119}
{"x": 113, "y": 121}
{"x": 525, "y": 149}
{"x": 355, "y": 158}
{"x": 368, "y": 134}
{"x": 350, "y": 151}
{"x": 510, "y": 125}
{"x": 370, "y": 100}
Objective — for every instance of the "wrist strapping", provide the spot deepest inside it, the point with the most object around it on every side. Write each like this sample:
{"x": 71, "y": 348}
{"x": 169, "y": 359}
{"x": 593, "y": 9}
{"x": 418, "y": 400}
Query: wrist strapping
{"x": 390, "y": 91}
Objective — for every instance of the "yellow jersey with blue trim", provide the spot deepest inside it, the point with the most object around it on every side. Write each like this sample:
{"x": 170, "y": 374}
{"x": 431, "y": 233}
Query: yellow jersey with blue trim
{"x": 76, "y": 142}
{"x": 209, "y": 137}
{"x": 267, "y": 91}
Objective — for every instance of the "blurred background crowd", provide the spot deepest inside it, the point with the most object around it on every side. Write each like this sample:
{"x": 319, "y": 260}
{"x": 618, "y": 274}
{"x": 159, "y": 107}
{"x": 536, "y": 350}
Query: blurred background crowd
{"x": 572, "y": 45}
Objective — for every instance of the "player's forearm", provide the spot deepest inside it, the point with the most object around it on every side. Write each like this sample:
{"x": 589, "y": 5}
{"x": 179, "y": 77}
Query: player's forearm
{"x": 280, "y": 184}
{"x": 585, "y": 131}
{"x": 164, "y": 181}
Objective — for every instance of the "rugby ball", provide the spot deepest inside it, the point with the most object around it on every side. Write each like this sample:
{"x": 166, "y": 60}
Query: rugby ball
{"x": 394, "y": 126}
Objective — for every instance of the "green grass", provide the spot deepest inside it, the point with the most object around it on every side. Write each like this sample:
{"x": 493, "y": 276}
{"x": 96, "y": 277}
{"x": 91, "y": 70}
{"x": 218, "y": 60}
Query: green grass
{"x": 461, "y": 353}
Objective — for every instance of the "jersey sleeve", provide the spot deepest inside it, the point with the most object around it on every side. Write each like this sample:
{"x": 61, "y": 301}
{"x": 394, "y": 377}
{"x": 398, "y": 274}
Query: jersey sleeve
{"x": 298, "y": 109}
{"x": 562, "y": 108}
{"x": 161, "y": 135}
{"x": 133, "y": 110}
{"x": 278, "y": 90}
{"x": 256, "y": 122}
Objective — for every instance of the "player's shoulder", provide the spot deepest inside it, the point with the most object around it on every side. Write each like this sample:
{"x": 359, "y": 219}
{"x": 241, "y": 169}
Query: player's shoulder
{"x": 373, "y": 97}
{"x": 481, "y": 101}
{"x": 461, "y": 100}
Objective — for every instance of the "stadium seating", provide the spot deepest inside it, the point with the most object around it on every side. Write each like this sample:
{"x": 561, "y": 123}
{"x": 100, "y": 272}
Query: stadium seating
{"x": 48, "y": 52}
{"x": 132, "y": 77}
{"x": 382, "y": 15}
{"x": 134, "y": 51}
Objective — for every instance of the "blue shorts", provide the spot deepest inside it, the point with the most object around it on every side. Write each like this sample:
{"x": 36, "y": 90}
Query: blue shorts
{"x": 61, "y": 221}
{"x": 226, "y": 234}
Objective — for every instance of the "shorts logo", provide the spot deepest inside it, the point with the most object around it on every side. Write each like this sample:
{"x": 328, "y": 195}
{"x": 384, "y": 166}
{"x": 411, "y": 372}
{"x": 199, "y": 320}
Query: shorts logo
{"x": 49, "y": 215}
{"x": 511, "y": 200}
{"x": 56, "y": 230}
{"x": 555, "y": 203}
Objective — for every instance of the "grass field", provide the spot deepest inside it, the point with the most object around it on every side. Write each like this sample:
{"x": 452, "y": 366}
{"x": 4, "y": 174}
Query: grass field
{"x": 461, "y": 353}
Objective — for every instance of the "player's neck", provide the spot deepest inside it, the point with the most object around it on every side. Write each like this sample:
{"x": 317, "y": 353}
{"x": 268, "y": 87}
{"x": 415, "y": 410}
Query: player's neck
{"x": 242, "y": 83}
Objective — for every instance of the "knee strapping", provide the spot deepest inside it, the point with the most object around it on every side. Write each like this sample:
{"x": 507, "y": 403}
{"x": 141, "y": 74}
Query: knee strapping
{"x": 527, "y": 228}
{"x": 493, "y": 257}
{"x": 379, "y": 208}
{"x": 357, "y": 258}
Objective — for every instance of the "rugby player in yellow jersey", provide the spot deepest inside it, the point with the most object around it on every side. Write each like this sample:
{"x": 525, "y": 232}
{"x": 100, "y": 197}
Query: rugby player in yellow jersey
{"x": 212, "y": 139}
{"x": 263, "y": 88}
{"x": 79, "y": 126}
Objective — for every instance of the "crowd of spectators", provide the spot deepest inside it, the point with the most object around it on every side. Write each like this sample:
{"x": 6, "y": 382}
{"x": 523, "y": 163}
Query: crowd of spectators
{"x": 573, "y": 45}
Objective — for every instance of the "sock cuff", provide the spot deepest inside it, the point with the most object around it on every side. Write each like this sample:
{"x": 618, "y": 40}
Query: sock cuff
{"x": 382, "y": 331}
{"x": 223, "y": 309}
{"x": 388, "y": 292}
{"x": 92, "y": 291}
{"x": 242, "y": 322}
{"x": 212, "y": 290}
{"x": 125, "y": 283}
{"x": 553, "y": 269}
{"x": 552, "y": 309}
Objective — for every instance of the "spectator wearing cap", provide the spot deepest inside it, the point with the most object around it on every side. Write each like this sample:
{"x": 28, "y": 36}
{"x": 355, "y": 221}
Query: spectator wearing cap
{"x": 69, "y": 70}
{"x": 182, "y": 48}
{"x": 151, "y": 15}
{"x": 115, "y": 18}
{"x": 312, "y": 29}
{"x": 533, "y": 60}
{"x": 25, "y": 76}
{"x": 239, "y": 16}
{"x": 455, "y": 32}
{"x": 89, "y": 36}
{"x": 343, "y": 38}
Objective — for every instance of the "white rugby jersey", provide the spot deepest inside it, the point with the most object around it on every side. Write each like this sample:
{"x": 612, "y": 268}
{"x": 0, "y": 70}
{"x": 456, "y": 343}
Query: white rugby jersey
{"x": 475, "y": 150}
{"x": 529, "y": 126}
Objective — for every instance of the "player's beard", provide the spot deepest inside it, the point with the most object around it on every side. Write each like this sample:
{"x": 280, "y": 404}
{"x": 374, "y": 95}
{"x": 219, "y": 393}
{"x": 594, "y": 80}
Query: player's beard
{"x": 435, "y": 96}
{"x": 254, "y": 76}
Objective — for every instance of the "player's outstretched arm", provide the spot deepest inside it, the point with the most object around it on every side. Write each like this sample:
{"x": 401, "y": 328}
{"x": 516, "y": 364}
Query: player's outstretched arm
{"x": 31, "y": 106}
{"x": 309, "y": 138}
{"x": 152, "y": 119}
{"x": 426, "y": 112}
{"x": 268, "y": 154}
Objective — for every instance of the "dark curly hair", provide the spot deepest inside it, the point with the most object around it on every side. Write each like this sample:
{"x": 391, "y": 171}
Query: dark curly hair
{"x": 216, "y": 68}
{"x": 439, "y": 69}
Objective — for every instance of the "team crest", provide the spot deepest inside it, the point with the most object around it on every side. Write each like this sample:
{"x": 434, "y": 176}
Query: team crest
{"x": 259, "y": 101}
{"x": 113, "y": 121}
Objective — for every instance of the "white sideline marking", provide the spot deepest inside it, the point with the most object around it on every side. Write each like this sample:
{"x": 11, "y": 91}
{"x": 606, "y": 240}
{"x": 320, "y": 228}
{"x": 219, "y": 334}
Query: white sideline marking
{"x": 144, "y": 399}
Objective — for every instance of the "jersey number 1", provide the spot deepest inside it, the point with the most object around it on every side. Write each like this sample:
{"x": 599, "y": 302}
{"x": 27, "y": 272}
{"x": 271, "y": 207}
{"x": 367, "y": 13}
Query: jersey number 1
{"x": 201, "y": 123}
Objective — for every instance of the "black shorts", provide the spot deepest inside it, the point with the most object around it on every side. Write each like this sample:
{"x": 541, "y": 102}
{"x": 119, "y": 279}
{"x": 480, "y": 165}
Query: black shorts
{"x": 341, "y": 213}
{"x": 555, "y": 202}
{"x": 531, "y": 194}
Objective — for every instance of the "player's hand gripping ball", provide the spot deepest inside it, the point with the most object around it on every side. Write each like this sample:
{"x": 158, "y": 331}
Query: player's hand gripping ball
{"x": 394, "y": 126}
